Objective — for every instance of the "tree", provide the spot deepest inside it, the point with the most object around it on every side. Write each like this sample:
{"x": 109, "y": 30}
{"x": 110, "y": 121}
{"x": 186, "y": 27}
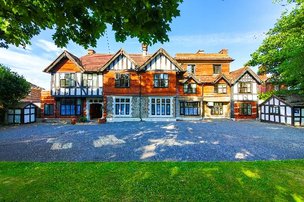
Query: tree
{"x": 282, "y": 51}
{"x": 86, "y": 21}
{"x": 12, "y": 89}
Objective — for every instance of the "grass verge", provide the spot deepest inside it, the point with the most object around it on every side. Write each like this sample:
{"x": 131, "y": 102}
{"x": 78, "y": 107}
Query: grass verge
{"x": 153, "y": 181}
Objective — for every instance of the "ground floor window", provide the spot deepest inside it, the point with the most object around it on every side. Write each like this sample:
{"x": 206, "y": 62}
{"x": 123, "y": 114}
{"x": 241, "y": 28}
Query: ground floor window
{"x": 245, "y": 109}
{"x": 70, "y": 107}
{"x": 189, "y": 108}
{"x": 48, "y": 109}
{"x": 160, "y": 106}
{"x": 217, "y": 108}
{"x": 122, "y": 106}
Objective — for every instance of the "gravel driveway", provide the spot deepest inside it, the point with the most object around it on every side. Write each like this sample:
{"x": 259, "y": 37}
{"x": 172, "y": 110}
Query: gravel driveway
{"x": 216, "y": 140}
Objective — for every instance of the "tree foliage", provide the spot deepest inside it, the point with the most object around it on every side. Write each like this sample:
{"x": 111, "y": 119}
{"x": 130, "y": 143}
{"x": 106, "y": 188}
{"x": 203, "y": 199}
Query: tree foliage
{"x": 86, "y": 21}
{"x": 281, "y": 53}
{"x": 13, "y": 87}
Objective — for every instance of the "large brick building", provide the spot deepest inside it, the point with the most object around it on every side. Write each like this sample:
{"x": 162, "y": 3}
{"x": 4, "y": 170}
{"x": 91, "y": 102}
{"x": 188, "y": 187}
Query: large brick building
{"x": 132, "y": 87}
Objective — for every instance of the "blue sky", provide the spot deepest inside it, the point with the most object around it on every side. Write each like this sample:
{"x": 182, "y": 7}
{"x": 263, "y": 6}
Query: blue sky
{"x": 210, "y": 25}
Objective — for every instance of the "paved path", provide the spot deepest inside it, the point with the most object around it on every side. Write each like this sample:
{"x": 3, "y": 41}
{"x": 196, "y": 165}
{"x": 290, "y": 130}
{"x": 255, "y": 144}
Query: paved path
{"x": 220, "y": 140}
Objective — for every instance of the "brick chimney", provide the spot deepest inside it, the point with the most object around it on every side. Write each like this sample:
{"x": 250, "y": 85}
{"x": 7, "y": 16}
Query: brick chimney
{"x": 91, "y": 52}
{"x": 144, "y": 49}
{"x": 224, "y": 51}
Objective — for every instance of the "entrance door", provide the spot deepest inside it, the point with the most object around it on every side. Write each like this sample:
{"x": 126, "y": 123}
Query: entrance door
{"x": 95, "y": 111}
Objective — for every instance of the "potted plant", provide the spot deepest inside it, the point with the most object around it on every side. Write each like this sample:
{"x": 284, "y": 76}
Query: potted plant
{"x": 73, "y": 121}
{"x": 101, "y": 120}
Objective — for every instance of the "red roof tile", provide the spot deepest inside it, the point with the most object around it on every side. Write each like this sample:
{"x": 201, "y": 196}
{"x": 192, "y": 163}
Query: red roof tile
{"x": 95, "y": 61}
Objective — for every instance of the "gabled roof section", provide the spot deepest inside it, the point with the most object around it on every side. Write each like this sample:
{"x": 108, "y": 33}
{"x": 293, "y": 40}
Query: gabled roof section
{"x": 191, "y": 77}
{"x": 290, "y": 100}
{"x": 222, "y": 76}
{"x": 214, "y": 78}
{"x": 121, "y": 52}
{"x": 93, "y": 62}
{"x": 161, "y": 51}
{"x": 239, "y": 73}
{"x": 63, "y": 55}
{"x": 200, "y": 55}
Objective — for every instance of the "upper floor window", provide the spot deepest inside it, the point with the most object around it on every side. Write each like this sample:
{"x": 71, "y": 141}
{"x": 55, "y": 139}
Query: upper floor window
{"x": 67, "y": 80}
{"x": 245, "y": 109}
{"x": 244, "y": 87}
{"x": 122, "y": 80}
{"x": 191, "y": 69}
{"x": 190, "y": 88}
{"x": 217, "y": 69}
{"x": 220, "y": 88}
{"x": 161, "y": 80}
{"x": 87, "y": 80}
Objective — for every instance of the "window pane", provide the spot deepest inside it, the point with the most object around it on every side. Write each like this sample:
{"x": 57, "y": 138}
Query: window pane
{"x": 153, "y": 109}
{"x": 158, "y": 109}
{"x": 127, "y": 109}
{"x": 116, "y": 109}
{"x": 168, "y": 106}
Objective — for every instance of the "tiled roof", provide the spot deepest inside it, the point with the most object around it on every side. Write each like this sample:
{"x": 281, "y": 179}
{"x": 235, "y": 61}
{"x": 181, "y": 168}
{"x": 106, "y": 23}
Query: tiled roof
{"x": 139, "y": 59}
{"x": 92, "y": 63}
{"x": 237, "y": 74}
{"x": 263, "y": 77}
{"x": 293, "y": 100}
{"x": 214, "y": 78}
{"x": 203, "y": 56}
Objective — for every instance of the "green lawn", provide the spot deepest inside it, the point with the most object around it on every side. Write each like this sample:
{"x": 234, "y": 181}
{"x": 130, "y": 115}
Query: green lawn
{"x": 155, "y": 181}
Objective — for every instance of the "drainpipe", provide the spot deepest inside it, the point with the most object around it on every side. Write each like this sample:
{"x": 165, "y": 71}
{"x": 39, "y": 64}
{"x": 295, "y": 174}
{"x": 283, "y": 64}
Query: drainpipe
{"x": 140, "y": 97}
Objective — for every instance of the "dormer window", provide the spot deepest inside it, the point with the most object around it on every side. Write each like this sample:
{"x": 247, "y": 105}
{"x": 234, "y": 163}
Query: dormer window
{"x": 244, "y": 87}
{"x": 67, "y": 80}
{"x": 191, "y": 69}
{"x": 220, "y": 88}
{"x": 190, "y": 88}
{"x": 217, "y": 69}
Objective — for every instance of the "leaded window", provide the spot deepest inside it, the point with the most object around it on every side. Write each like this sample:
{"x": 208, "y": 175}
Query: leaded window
{"x": 217, "y": 69}
{"x": 217, "y": 108}
{"x": 190, "y": 88}
{"x": 220, "y": 88}
{"x": 122, "y": 80}
{"x": 245, "y": 109}
{"x": 48, "y": 109}
{"x": 70, "y": 107}
{"x": 122, "y": 106}
{"x": 244, "y": 87}
{"x": 161, "y": 80}
{"x": 190, "y": 108}
{"x": 160, "y": 107}
{"x": 67, "y": 80}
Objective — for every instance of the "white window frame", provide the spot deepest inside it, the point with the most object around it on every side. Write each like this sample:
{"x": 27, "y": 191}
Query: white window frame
{"x": 171, "y": 106}
{"x": 114, "y": 105}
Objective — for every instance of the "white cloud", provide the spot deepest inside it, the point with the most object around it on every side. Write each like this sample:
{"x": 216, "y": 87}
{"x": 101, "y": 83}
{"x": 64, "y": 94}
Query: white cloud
{"x": 26, "y": 64}
{"x": 48, "y": 46}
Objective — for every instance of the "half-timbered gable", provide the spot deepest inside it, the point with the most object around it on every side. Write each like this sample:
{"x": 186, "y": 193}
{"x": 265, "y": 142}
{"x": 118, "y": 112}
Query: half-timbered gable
{"x": 120, "y": 75}
{"x": 244, "y": 94}
{"x": 283, "y": 109}
{"x": 159, "y": 74}
{"x": 70, "y": 79}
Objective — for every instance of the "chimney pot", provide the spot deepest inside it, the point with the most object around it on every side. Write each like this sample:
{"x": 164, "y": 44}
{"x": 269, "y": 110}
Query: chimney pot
{"x": 144, "y": 49}
{"x": 91, "y": 51}
{"x": 224, "y": 51}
